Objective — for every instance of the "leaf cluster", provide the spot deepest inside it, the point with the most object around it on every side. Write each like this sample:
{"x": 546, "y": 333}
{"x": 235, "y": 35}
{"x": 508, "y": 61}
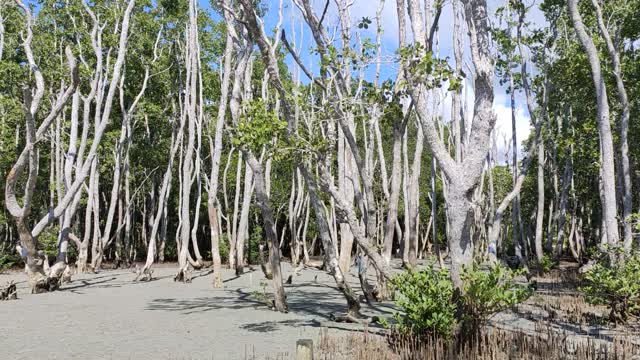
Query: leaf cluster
{"x": 433, "y": 72}
{"x": 430, "y": 305}
{"x": 615, "y": 284}
{"x": 425, "y": 300}
{"x": 489, "y": 292}
{"x": 258, "y": 128}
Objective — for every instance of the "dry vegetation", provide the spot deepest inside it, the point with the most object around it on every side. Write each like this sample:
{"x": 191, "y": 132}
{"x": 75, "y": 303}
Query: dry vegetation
{"x": 491, "y": 344}
{"x": 555, "y": 323}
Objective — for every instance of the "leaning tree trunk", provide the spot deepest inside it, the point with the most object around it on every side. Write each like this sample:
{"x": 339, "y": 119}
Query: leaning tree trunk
{"x": 627, "y": 196}
{"x": 609, "y": 205}
{"x": 213, "y": 205}
{"x": 280, "y": 302}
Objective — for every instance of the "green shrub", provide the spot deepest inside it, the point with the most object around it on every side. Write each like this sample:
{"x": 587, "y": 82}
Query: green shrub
{"x": 429, "y": 304}
{"x": 616, "y": 285}
{"x": 8, "y": 260}
{"x": 48, "y": 241}
{"x": 255, "y": 239}
{"x": 223, "y": 248}
{"x": 425, "y": 300}
{"x": 489, "y": 292}
{"x": 546, "y": 264}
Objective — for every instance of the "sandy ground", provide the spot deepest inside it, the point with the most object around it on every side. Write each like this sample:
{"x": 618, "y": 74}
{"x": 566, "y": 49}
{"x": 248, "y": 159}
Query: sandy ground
{"x": 108, "y": 316}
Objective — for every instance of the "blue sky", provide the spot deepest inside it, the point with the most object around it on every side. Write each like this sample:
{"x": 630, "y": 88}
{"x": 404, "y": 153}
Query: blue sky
{"x": 292, "y": 23}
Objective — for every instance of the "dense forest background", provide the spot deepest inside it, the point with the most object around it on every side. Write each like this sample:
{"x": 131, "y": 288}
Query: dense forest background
{"x": 159, "y": 125}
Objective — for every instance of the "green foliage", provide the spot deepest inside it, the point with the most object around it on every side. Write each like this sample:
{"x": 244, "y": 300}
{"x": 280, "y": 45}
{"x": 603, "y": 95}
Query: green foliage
{"x": 223, "y": 248}
{"x": 430, "y": 70}
{"x": 255, "y": 239}
{"x": 258, "y": 127}
{"x": 8, "y": 260}
{"x": 546, "y": 264}
{"x": 364, "y": 23}
{"x": 429, "y": 304}
{"x": 489, "y": 292}
{"x": 615, "y": 284}
{"x": 262, "y": 296}
{"x": 425, "y": 300}
{"x": 48, "y": 241}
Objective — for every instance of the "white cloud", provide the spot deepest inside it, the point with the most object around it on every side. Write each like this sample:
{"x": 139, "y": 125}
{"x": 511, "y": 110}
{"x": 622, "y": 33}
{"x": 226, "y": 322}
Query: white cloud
{"x": 389, "y": 18}
{"x": 503, "y": 128}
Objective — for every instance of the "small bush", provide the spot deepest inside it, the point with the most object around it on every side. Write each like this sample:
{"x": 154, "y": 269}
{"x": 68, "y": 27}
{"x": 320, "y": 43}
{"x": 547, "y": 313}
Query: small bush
{"x": 616, "y": 285}
{"x": 223, "y": 249}
{"x": 48, "y": 241}
{"x": 255, "y": 239}
{"x": 425, "y": 299}
{"x": 430, "y": 305}
{"x": 489, "y": 292}
{"x": 546, "y": 264}
{"x": 8, "y": 260}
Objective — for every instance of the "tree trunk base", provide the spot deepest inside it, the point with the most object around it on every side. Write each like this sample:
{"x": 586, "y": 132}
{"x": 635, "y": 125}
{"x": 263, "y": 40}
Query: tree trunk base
{"x": 145, "y": 273}
{"x": 382, "y": 291}
{"x": 184, "y": 275}
{"x": 66, "y": 274}
{"x": 198, "y": 264}
{"x": 217, "y": 279}
{"x": 369, "y": 292}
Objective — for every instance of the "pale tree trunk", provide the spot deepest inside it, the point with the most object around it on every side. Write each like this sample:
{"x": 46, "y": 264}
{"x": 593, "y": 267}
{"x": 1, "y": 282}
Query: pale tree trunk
{"x": 280, "y": 302}
{"x": 213, "y": 204}
{"x": 609, "y": 205}
{"x": 394, "y": 196}
{"x": 40, "y": 279}
{"x": 462, "y": 178}
{"x": 242, "y": 236}
{"x": 346, "y": 188}
{"x": 161, "y": 210}
{"x": 190, "y": 112}
{"x": 234, "y": 216}
{"x": 198, "y": 179}
{"x": 238, "y": 231}
{"x": 243, "y": 225}
{"x": 627, "y": 196}
{"x": 413, "y": 196}
{"x": 515, "y": 206}
{"x": 540, "y": 205}
{"x": 331, "y": 259}
{"x": 561, "y": 215}
{"x": 269, "y": 57}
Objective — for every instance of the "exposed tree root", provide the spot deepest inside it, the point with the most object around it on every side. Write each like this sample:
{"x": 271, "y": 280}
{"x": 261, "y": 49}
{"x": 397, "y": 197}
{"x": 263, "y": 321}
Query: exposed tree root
{"x": 263, "y": 264}
{"x": 9, "y": 292}
{"x": 353, "y": 318}
{"x": 184, "y": 275}
{"x": 66, "y": 274}
{"x": 315, "y": 263}
{"x": 198, "y": 264}
{"x": 145, "y": 273}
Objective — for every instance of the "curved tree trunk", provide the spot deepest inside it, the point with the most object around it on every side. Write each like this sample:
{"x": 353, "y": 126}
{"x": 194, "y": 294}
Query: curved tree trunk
{"x": 604, "y": 126}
